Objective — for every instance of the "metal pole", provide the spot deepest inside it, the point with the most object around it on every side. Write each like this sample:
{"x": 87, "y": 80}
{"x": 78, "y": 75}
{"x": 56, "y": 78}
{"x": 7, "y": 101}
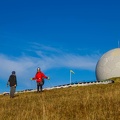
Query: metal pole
{"x": 70, "y": 77}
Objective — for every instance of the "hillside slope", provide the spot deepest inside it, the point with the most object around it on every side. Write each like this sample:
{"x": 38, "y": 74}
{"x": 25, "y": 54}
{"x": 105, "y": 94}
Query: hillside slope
{"x": 95, "y": 102}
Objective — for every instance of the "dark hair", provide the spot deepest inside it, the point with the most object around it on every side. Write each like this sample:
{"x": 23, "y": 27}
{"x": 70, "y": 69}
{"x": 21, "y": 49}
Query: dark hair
{"x": 13, "y": 72}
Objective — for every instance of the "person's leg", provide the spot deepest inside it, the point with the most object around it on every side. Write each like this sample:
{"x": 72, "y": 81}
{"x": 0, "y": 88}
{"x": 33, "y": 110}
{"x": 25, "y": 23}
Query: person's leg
{"x": 41, "y": 88}
{"x": 12, "y": 91}
{"x": 38, "y": 86}
{"x": 14, "y": 88}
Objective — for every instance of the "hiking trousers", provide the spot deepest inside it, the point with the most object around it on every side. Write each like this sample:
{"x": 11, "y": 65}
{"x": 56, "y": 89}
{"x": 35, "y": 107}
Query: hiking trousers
{"x": 39, "y": 86}
{"x": 12, "y": 91}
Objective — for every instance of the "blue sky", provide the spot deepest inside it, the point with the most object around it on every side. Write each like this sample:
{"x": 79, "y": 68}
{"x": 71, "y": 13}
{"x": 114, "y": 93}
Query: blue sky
{"x": 56, "y": 36}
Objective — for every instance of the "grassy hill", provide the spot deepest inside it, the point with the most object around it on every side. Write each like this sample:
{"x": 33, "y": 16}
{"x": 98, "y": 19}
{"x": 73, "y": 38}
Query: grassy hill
{"x": 95, "y": 102}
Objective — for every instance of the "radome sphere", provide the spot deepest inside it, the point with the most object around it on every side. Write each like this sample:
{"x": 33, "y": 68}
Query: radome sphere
{"x": 108, "y": 65}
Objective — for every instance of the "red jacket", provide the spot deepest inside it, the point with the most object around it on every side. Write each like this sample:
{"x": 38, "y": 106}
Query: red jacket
{"x": 39, "y": 76}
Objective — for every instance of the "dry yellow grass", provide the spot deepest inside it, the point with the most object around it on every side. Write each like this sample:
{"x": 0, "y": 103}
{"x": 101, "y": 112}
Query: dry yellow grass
{"x": 95, "y": 102}
{"x": 115, "y": 79}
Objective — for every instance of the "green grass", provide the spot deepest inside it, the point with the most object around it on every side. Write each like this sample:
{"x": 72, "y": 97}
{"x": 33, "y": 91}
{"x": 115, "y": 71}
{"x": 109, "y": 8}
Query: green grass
{"x": 95, "y": 102}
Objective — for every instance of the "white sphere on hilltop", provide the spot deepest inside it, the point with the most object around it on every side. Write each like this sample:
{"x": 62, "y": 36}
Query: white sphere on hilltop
{"x": 109, "y": 65}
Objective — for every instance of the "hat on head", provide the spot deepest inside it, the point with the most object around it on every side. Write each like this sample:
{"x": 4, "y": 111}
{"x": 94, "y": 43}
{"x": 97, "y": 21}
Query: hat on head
{"x": 38, "y": 69}
{"x": 13, "y": 72}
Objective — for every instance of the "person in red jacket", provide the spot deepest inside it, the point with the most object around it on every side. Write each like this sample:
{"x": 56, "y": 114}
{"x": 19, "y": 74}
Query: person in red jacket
{"x": 39, "y": 77}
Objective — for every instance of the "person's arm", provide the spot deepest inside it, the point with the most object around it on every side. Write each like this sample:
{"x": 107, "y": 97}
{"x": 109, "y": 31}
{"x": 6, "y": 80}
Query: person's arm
{"x": 34, "y": 78}
{"x": 44, "y": 76}
{"x": 8, "y": 83}
{"x": 16, "y": 80}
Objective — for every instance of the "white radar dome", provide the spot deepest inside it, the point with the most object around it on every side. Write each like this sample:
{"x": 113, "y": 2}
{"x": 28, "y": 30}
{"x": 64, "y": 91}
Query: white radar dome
{"x": 108, "y": 65}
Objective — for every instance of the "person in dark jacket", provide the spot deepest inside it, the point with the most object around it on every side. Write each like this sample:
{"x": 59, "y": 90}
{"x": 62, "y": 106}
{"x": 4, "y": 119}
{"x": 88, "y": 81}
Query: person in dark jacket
{"x": 12, "y": 82}
{"x": 39, "y": 77}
